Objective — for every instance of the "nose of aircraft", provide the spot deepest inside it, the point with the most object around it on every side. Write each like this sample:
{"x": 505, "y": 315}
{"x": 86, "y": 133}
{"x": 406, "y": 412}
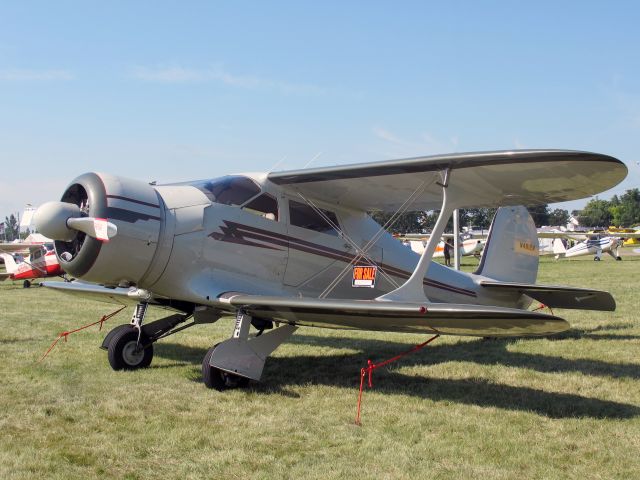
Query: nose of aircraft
{"x": 51, "y": 220}
{"x": 62, "y": 221}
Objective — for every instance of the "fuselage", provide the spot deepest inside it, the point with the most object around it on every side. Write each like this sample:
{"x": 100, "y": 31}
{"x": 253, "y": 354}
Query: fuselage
{"x": 593, "y": 246}
{"x": 196, "y": 241}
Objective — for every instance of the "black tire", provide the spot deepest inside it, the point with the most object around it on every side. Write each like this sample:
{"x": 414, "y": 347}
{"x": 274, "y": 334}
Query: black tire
{"x": 122, "y": 352}
{"x": 218, "y": 379}
{"x": 596, "y": 259}
{"x": 26, "y": 284}
{"x": 619, "y": 258}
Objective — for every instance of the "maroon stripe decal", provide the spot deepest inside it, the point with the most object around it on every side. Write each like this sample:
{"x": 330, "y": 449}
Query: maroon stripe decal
{"x": 246, "y": 235}
{"x": 133, "y": 200}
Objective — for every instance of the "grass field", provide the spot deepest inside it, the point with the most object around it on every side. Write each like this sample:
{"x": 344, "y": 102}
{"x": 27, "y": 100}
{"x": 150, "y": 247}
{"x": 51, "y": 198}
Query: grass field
{"x": 560, "y": 407}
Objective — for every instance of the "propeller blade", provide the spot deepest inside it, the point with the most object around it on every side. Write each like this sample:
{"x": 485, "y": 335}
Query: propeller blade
{"x": 98, "y": 228}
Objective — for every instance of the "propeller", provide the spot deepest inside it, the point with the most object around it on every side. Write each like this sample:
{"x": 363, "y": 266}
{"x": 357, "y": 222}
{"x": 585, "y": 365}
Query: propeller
{"x": 62, "y": 221}
{"x": 98, "y": 228}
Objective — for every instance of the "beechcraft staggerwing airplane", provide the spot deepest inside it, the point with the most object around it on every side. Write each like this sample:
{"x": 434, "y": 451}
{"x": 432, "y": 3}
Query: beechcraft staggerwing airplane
{"x": 297, "y": 248}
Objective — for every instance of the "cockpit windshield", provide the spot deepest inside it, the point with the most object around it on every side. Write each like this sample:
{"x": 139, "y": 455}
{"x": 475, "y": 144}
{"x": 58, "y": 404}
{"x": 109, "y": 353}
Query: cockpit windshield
{"x": 228, "y": 190}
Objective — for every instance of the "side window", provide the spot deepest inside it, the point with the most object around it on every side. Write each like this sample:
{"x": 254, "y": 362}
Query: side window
{"x": 304, "y": 216}
{"x": 230, "y": 190}
{"x": 265, "y": 206}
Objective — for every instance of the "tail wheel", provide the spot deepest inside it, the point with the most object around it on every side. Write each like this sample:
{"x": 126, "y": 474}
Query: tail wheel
{"x": 219, "y": 379}
{"x": 125, "y": 353}
{"x": 618, "y": 258}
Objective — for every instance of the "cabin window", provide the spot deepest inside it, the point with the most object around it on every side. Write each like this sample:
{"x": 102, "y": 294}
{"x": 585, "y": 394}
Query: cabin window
{"x": 229, "y": 190}
{"x": 265, "y": 206}
{"x": 304, "y": 216}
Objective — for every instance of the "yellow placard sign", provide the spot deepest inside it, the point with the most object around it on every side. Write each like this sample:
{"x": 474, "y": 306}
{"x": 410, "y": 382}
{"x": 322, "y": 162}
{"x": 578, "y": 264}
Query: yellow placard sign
{"x": 525, "y": 246}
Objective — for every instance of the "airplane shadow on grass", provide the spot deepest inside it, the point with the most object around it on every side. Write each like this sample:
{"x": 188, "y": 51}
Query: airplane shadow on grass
{"x": 342, "y": 370}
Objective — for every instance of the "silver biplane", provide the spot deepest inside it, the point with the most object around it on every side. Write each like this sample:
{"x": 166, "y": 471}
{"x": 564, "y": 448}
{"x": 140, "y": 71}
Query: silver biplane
{"x": 297, "y": 248}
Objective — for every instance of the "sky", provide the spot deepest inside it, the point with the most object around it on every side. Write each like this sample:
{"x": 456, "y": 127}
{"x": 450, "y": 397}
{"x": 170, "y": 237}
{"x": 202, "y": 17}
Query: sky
{"x": 174, "y": 91}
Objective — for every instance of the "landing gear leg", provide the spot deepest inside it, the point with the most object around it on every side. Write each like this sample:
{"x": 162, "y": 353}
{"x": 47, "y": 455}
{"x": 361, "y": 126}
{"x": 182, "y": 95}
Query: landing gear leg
{"x": 130, "y": 346}
{"x": 235, "y": 361}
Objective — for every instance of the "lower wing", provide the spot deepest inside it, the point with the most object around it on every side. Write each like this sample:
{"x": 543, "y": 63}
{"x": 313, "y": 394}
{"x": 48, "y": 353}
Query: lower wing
{"x": 438, "y": 318}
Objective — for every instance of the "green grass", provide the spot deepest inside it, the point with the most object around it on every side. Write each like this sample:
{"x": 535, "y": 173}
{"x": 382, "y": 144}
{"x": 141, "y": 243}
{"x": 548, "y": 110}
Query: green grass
{"x": 560, "y": 407}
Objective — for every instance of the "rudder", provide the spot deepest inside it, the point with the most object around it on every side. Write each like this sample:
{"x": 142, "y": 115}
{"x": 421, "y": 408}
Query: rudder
{"x": 10, "y": 264}
{"x": 511, "y": 251}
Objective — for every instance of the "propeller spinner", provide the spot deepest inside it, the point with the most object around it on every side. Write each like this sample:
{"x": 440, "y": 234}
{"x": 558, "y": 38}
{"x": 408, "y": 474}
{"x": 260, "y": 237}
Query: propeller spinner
{"x": 62, "y": 221}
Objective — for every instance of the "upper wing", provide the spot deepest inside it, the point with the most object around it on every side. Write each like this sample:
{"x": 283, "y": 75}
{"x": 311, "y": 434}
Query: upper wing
{"x": 440, "y": 318}
{"x": 623, "y": 234}
{"x": 570, "y": 235}
{"x": 485, "y": 179}
{"x": 18, "y": 247}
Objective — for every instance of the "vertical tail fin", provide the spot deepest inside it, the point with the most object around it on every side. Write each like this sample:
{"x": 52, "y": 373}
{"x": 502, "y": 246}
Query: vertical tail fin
{"x": 511, "y": 252}
{"x": 559, "y": 247}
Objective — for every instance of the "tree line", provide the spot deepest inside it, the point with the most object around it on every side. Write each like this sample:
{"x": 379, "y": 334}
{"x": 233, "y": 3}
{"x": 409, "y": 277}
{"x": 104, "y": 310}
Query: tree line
{"x": 477, "y": 218}
{"x": 623, "y": 211}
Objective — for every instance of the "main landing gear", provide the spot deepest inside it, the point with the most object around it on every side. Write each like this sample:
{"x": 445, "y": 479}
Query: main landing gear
{"x": 130, "y": 347}
{"x": 228, "y": 364}
{"x": 232, "y": 363}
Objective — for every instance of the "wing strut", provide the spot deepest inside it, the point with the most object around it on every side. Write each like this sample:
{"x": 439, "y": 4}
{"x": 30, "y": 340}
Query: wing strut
{"x": 412, "y": 290}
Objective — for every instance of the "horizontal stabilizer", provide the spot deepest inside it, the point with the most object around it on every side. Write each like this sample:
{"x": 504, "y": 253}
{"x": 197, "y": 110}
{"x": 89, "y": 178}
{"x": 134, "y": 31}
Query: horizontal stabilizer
{"x": 440, "y": 318}
{"x": 556, "y": 296}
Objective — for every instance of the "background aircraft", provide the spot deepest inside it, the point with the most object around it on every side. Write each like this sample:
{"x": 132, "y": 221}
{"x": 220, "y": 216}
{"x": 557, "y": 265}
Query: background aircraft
{"x": 297, "y": 248}
{"x": 588, "y": 244}
{"x": 41, "y": 262}
{"x": 418, "y": 243}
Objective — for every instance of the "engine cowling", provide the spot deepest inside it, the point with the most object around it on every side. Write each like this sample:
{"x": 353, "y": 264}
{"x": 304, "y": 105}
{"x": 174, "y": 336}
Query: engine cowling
{"x": 134, "y": 207}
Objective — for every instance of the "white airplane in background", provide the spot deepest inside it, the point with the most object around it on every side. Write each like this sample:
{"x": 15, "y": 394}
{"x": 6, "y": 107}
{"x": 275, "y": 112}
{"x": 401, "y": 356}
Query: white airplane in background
{"x": 418, "y": 242}
{"x": 283, "y": 250}
{"x": 594, "y": 244}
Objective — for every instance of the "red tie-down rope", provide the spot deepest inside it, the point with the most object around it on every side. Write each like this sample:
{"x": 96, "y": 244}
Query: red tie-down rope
{"x": 541, "y": 306}
{"x": 66, "y": 334}
{"x": 368, "y": 370}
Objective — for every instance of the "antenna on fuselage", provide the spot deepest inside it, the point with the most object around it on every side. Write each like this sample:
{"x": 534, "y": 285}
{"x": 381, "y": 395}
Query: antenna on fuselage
{"x": 315, "y": 157}
{"x": 276, "y": 164}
